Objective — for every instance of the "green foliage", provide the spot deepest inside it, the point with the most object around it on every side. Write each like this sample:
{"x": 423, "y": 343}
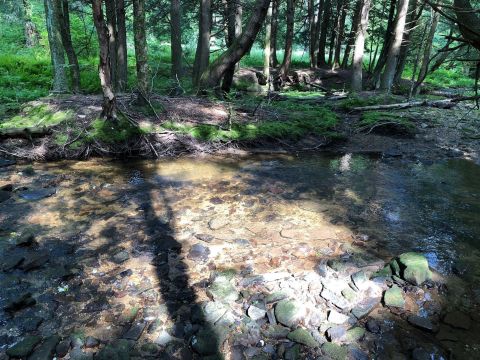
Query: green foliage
{"x": 35, "y": 116}
{"x": 445, "y": 78}
{"x": 112, "y": 132}
{"x": 372, "y": 119}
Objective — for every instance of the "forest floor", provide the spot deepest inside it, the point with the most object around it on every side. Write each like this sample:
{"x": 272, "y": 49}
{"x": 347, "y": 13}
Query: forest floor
{"x": 68, "y": 127}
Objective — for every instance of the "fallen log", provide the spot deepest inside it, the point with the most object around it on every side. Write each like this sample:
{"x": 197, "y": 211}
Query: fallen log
{"x": 26, "y": 133}
{"x": 443, "y": 104}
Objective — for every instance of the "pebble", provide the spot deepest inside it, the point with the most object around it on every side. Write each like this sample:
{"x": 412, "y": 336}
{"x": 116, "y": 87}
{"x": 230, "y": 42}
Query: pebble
{"x": 199, "y": 252}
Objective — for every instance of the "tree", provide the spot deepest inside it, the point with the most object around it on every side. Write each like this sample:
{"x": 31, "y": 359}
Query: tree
{"x": 468, "y": 22}
{"x": 202, "y": 55}
{"x": 111, "y": 14}
{"x": 357, "y": 68}
{"x": 325, "y": 20}
{"x": 56, "y": 48}
{"x": 234, "y": 30}
{"x": 109, "y": 100}
{"x": 31, "y": 32}
{"x": 176, "y": 39}
{"x": 267, "y": 47}
{"x": 63, "y": 17}
{"x": 287, "y": 57}
{"x": 212, "y": 76}
{"x": 394, "y": 49}
{"x": 311, "y": 32}
{"x": 141, "y": 54}
{"x": 273, "y": 43}
{"x": 121, "y": 46}
{"x": 340, "y": 32}
{"x": 353, "y": 32}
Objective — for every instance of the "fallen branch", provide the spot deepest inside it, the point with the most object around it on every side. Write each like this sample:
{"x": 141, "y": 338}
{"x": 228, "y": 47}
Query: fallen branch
{"x": 445, "y": 104}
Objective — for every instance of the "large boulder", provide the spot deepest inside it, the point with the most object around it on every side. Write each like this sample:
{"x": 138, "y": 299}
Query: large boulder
{"x": 246, "y": 80}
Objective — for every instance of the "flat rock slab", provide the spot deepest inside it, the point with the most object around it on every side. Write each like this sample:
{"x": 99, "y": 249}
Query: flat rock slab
{"x": 135, "y": 331}
{"x": 23, "y": 347}
{"x": 290, "y": 313}
{"x": 422, "y": 323}
{"x": 46, "y": 350}
{"x": 394, "y": 297}
{"x": 38, "y": 194}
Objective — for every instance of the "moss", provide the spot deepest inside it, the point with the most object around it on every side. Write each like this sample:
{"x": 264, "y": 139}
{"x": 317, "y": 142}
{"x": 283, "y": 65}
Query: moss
{"x": 60, "y": 139}
{"x": 111, "y": 132}
{"x": 36, "y": 116}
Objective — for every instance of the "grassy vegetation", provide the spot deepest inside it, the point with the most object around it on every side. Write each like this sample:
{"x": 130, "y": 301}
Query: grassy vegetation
{"x": 111, "y": 132}
{"x": 36, "y": 116}
{"x": 445, "y": 78}
{"x": 372, "y": 119}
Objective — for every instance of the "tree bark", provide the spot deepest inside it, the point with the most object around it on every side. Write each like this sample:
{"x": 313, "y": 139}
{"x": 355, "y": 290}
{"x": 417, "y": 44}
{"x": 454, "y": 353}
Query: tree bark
{"x": 394, "y": 50}
{"x": 202, "y": 55}
{"x": 63, "y": 18}
{"x": 267, "y": 47}
{"x": 311, "y": 31}
{"x": 287, "y": 58}
{"x": 60, "y": 84}
{"x": 273, "y": 54}
{"x": 141, "y": 54}
{"x": 468, "y": 22}
{"x": 211, "y": 77}
{"x": 31, "y": 32}
{"x": 176, "y": 38}
{"x": 353, "y": 32}
{"x": 322, "y": 43}
{"x": 357, "y": 71}
{"x": 340, "y": 33}
{"x": 121, "y": 47}
{"x": 234, "y": 26}
{"x": 109, "y": 100}
{"x": 110, "y": 12}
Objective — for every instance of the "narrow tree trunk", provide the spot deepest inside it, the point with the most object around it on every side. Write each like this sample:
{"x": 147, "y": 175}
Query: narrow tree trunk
{"x": 234, "y": 25}
{"x": 287, "y": 59}
{"x": 273, "y": 54}
{"x": 268, "y": 39}
{"x": 331, "y": 46}
{"x": 111, "y": 15}
{"x": 316, "y": 35}
{"x": 211, "y": 78}
{"x": 121, "y": 50}
{"x": 422, "y": 74}
{"x": 60, "y": 84}
{"x": 357, "y": 70}
{"x": 109, "y": 100}
{"x": 63, "y": 14}
{"x": 340, "y": 33}
{"x": 176, "y": 39}
{"x": 353, "y": 32}
{"x": 31, "y": 32}
{"x": 311, "y": 31}
{"x": 322, "y": 42}
{"x": 141, "y": 54}
{"x": 202, "y": 54}
{"x": 394, "y": 50}
{"x": 412, "y": 19}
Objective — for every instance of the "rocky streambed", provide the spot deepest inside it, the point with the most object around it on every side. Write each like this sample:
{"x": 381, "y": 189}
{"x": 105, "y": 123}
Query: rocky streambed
{"x": 264, "y": 258}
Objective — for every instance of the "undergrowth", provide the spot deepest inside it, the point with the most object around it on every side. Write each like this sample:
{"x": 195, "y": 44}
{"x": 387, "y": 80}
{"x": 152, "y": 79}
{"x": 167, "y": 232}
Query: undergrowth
{"x": 36, "y": 116}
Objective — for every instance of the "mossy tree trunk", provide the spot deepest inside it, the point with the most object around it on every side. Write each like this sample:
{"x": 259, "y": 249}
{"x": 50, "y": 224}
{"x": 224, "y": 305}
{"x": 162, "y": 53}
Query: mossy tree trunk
{"x": 31, "y": 32}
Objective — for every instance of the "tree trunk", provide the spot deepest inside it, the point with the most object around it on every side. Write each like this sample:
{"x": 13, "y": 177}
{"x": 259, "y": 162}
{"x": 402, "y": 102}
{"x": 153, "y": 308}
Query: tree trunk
{"x": 31, "y": 32}
{"x": 322, "y": 42}
{"x": 331, "y": 47}
{"x": 273, "y": 54}
{"x": 63, "y": 15}
{"x": 287, "y": 59}
{"x": 352, "y": 36}
{"x": 109, "y": 100}
{"x": 394, "y": 50}
{"x": 412, "y": 19}
{"x": 234, "y": 26}
{"x": 141, "y": 54}
{"x": 121, "y": 50}
{"x": 427, "y": 51}
{"x": 311, "y": 31}
{"x": 111, "y": 15}
{"x": 268, "y": 39}
{"x": 211, "y": 77}
{"x": 56, "y": 48}
{"x": 176, "y": 39}
{"x": 387, "y": 39}
{"x": 357, "y": 71}
{"x": 340, "y": 33}
{"x": 468, "y": 22}
{"x": 202, "y": 55}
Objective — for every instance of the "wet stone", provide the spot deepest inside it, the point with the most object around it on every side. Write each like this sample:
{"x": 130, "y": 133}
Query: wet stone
{"x": 6, "y": 162}
{"x": 393, "y": 297}
{"x": 37, "y": 194}
{"x": 303, "y": 337}
{"x": 198, "y": 252}
{"x": 334, "y": 351}
{"x": 20, "y": 302}
{"x": 121, "y": 257}
{"x": 63, "y": 347}
{"x": 293, "y": 353}
{"x": 78, "y": 354}
{"x": 275, "y": 331}
{"x": 23, "y": 347}
{"x": 34, "y": 260}
{"x": 458, "y": 320}
{"x": 421, "y": 323}
{"x": 5, "y": 195}
{"x": 373, "y": 326}
{"x": 27, "y": 238}
{"x": 414, "y": 268}
{"x": 290, "y": 313}
{"x": 204, "y": 237}
{"x": 135, "y": 331}
{"x": 365, "y": 307}
{"x": 46, "y": 349}
{"x": 91, "y": 342}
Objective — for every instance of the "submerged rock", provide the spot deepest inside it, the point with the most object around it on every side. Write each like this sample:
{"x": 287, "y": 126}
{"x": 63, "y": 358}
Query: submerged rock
{"x": 199, "y": 252}
{"x": 422, "y": 323}
{"x": 46, "y": 349}
{"x": 23, "y": 347}
{"x": 394, "y": 297}
{"x": 290, "y": 313}
{"x": 38, "y": 194}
